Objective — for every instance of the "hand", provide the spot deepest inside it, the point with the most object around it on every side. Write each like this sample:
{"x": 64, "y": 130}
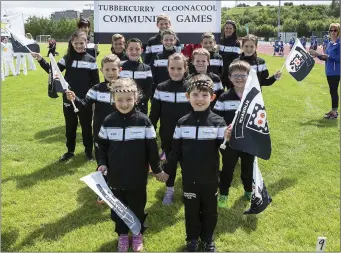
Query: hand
{"x": 278, "y": 75}
{"x": 228, "y": 131}
{"x": 70, "y": 95}
{"x": 162, "y": 177}
{"x": 103, "y": 169}
{"x": 36, "y": 56}
{"x": 313, "y": 52}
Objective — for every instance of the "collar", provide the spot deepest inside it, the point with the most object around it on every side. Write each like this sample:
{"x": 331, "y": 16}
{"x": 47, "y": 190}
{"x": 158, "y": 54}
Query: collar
{"x": 127, "y": 115}
{"x": 202, "y": 114}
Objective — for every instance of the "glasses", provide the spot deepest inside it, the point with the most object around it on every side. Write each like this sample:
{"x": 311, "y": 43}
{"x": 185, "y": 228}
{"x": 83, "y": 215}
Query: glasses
{"x": 332, "y": 30}
{"x": 235, "y": 76}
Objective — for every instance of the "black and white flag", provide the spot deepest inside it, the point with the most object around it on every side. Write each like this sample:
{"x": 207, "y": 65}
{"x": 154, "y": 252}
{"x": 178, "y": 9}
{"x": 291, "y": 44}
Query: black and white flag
{"x": 299, "y": 63}
{"x": 21, "y": 44}
{"x": 250, "y": 132}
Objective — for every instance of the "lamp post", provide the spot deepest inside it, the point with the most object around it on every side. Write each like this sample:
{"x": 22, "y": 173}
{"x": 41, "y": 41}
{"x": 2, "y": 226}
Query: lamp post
{"x": 279, "y": 19}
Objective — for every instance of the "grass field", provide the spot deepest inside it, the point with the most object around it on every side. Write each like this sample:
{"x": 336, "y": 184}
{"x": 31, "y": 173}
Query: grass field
{"x": 45, "y": 207}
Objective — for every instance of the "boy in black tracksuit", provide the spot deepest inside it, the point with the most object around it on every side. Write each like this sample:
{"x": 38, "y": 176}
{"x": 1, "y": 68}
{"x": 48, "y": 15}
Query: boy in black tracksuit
{"x": 229, "y": 49}
{"x": 81, "y": 74}
{"x": 118, "y": 47}
{"x": 196, "y": 142}
{"x": 226, "y": 107}
{"x": 138, "y": 71}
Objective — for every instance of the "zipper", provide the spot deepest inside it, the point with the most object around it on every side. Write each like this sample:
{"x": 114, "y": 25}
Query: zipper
{"x": 196, "y": 136}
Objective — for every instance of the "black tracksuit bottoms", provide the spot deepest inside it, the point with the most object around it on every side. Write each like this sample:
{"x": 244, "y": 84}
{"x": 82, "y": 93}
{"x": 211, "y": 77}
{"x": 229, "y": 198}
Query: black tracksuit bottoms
{"x": 167, "y": 147}
{"x": 333, "y": 82}
{"x": 71, "y": 121}
{"x": 230, "y": 159}
{"x": 136, "y": 201}
{"x": 201, "y": 214}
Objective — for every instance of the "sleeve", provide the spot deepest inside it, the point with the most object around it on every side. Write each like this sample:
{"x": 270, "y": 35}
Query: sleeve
{"x": 219, "y": 107}
{"x": 45, "y": 66}
{"x": 153, "y": 68}
{"x": 155, "y": 110}
{"x": 94, "y": 76}
{"x": 264, "y": 79}
{"x": 174, "y": 156}
{"x": 103, "y": 145}
{"x": 335, "y": 57}
{"x": 90, "y": 98}
{"x": 148, "y": 53}
{"x": 62, "y": 64}
{"x": 152, "y": 148}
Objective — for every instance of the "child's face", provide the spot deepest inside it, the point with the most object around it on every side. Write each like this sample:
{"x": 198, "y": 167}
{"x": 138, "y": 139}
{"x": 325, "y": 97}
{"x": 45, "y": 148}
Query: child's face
{"x": 200, "y": 63}
{"x": 118, "y": 45}
{"x": 110, "y": 71}
{"x": 125, "y": 101}
{"x": 238, "y": 78}
{"x": 208, "y": 43}
{"x": 79, "y": 44}
{"x": 200, "y": 100}
{"x": 168, "y": 41}
{"x": 5, "y": 40}
{"x": 85, "y": 29}
{"x": 176, "y": 69}
{"x": 134, "y": 51}
{"x": 228, "y": 30}
{"x": 163, "y": 25}
{"x": 249, "y": 48}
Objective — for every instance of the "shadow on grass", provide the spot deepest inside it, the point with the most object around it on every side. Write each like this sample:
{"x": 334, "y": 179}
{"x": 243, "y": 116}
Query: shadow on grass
{"x": 56, "y": 134}
{"x": 8, "y": 238}
{"x": 109, "y": 246}
{"x": 87, "y": 214}
{"x": 320, "y": 123}
{"x": 49, "y": 172}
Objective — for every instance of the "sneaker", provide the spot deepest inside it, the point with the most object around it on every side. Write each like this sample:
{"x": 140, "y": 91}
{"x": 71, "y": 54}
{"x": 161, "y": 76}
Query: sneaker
{"x": 67, "y": 156}
{"x": 192, "y": 246}
{"x": 137, "y": 242}
{"x": 123, "y": 243}
{"x": 163, "y": 156}
{"x": 168, "y": 198}
{"x": 222, "y": 201}
{"x": 248, "y": 195}
{"x": 100, "y": 200}
{"x": 331, "y": 115}
{"x": 209, "y": 246}
{"x": 89, "y": 157}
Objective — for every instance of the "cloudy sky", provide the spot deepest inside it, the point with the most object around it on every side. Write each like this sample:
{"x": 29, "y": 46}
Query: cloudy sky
{"x": 45, "y": 8}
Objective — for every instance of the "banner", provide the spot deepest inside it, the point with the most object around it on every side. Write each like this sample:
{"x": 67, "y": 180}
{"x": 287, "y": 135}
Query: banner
{"x": 97, "y": 183}
{"x": 138, "y": 19}
{"x": 15, "y": 23}
{"x": 21, "y": 44}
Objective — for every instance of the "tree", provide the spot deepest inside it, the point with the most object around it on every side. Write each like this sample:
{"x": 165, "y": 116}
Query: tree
{"x": 259, "y": 4}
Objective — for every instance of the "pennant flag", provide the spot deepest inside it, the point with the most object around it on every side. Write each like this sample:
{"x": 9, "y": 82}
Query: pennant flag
{"x": 21, "y": 44}
{"x": 299, "y": 63}
{"x": 260, "y": 196}
{"x": 250, "y": 132}
{"x": 56, "y": 81}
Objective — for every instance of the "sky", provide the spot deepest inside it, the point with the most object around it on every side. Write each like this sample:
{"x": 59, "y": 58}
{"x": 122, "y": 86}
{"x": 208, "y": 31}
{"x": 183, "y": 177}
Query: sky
{"x": 45, "y": 8}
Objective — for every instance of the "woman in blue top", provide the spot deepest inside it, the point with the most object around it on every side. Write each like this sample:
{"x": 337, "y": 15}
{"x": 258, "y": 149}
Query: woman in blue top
{"x": 332, "y": 58}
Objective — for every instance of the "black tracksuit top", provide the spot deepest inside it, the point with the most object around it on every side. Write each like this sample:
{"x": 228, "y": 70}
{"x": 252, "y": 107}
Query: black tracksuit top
{"x": 159, "y": 66}
{"x": 196, "y": 141}
{"x": 123, "y": 56}
{"x": 227, "y": 104}
{"x": 127, "y": 146}
{"x": 81, "y": 75}
{"x": 169, "y": 104}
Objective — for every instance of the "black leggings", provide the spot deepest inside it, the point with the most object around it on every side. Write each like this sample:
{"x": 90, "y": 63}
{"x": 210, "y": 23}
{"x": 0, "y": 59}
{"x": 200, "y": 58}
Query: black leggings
{"x": 333, "y": 82}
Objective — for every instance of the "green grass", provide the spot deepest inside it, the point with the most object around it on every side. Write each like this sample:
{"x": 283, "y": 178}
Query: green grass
{"x": 45, "y": 207}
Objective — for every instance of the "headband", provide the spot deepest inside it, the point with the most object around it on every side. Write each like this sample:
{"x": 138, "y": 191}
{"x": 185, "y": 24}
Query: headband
{"x": 205, "y": 83}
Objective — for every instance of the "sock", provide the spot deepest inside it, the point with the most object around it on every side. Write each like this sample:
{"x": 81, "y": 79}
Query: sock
{"x": 170, "y": 188}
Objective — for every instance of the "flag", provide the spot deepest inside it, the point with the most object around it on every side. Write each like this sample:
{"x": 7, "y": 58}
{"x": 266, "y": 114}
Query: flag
{"x": 299, "y": 63}
{"x": 21, "y": 44}
{"x": 56, "y": 81}
{"x": 260, "y": 196}
{"x": 250, "y": 132}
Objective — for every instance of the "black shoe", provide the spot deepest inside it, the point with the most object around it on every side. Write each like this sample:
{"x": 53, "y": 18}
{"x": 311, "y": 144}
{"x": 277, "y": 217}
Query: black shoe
{"x": 192, "y": 246}
{"x": 67, "y": 156}
{"x": 209, "y": 246}
{"x": 89, "y": 157}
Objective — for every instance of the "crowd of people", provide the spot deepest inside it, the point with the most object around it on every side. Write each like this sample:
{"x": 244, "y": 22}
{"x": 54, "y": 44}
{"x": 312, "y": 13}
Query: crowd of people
{"x": 194, "y": 93}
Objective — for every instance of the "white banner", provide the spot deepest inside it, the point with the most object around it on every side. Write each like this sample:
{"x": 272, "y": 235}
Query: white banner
{"x": 16, "y": 24}
{"x": 140, "y": 16}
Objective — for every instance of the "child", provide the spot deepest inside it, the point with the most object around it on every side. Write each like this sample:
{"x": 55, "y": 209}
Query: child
{"x": 276, "y": 48}
{"x": 303, "y": 42}
{"x": 169, "y": 104}
{"x": 84, "y": 25}
{"x": 292, "y": 42}
{"x": 196, "y": 142}
{"x": 201, "y": 61}
{"x": 81, "y": 74}
{"x": 118, "y": 46}
{"x": 159, "y": 69}
{"x": 7, "y": 55}
{"x": 30, "y": 60}
{"x": 216, "y": 61}
{"x": 127, "y": 145}
{"x": 249, "y": 54}
{"x": 226, "y": 107}
{"x": 52, "y": 47}
{"x": 229, "y": 49}
{"x": 154, "y": 45}
{"x": 281, "y": 48}
{"x": 138, "y": 71}
{"x": 21, "y": 60}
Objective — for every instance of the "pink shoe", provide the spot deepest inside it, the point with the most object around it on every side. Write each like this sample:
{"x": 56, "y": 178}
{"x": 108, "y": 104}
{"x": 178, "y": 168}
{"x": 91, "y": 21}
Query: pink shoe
{"x": 137, "y": 244}
{"x": 163, "y": 156}
{"x": 123, "y": 243}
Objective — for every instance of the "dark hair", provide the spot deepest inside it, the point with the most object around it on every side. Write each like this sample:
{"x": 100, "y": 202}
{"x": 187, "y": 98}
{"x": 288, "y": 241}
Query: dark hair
{"x": 83, "y": 22}
{"x": 202, "y": 82}
{"x": 234, "y": 34}
{"x": 71, "y": 53}
{"x": 135, "y": 40}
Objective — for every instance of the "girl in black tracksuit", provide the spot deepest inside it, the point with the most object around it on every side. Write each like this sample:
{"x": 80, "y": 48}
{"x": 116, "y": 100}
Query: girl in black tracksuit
{"x": 229, "y": 49}
{"x": 196, "y": 142}
{"x": 169, "y": 104}
{"x": 127, "y": 146}
{"x": 81, "y": 74}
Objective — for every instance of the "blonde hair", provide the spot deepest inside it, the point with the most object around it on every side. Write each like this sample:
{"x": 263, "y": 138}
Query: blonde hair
{"x": 337, "y": 26}
{"x": 239, "y": 65}
{"x": 110, "y": 58}
{"x": 117, "y": 36}
{"x": 250, "y": 37}
{"x": 202, "y": 82}
{"x": 178, "y": 57}
{"x": 122, "y": 85}
{"x": 161, "y": 17}
{"x": 201, "y": 51}
{"x": 209, "y": 35}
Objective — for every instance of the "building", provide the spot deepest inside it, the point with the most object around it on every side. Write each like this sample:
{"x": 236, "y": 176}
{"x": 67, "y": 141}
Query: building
{"x": 68, "y": 14}
{"x": 87, "y": 13}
